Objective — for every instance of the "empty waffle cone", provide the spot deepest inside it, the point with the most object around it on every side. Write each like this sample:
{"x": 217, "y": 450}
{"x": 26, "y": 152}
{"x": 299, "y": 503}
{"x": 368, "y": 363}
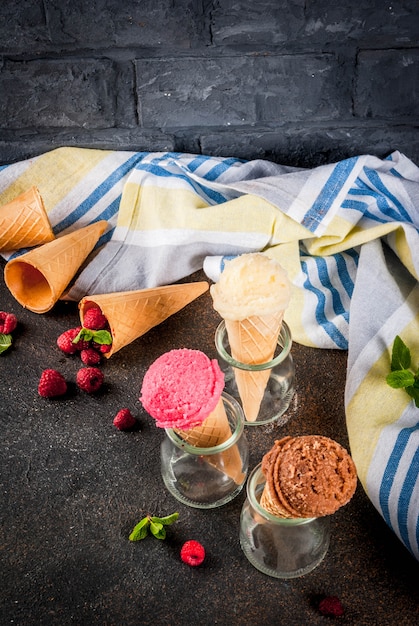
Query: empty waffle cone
{"x": 131, "y": 314}
{"x": 24, "y": 222}
{"x": 213, "y": 431}
{"x": 38, "y": 278}
{"x": 253, "y": 341}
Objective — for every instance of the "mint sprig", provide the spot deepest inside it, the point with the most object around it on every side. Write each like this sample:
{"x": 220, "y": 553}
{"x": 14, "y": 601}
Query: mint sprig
{"x": 156, "y": 525}
{"x": 5, "y": 342}
{"x": 402, "y": 376}
{"x": 102, "y": 337}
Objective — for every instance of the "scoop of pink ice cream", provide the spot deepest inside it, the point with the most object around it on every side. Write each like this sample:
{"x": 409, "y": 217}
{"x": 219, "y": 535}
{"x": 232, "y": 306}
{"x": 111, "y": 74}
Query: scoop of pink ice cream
{"x": 181, "y": 388}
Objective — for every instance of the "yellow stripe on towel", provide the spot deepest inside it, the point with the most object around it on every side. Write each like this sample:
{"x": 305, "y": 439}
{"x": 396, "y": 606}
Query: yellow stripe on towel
{"x": 66, "y": 167}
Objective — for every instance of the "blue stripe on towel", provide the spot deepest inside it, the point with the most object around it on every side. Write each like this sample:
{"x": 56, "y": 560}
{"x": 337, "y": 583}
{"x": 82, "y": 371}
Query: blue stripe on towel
{"x": 219, "y": 167}
{"x": 404, "y": 500}
{"x": 97, "y": 194}
{"x": 375, "y": 202}
{"x": 398, "y": 213}
{"x": 328, "y": 194}
{"x": 390, "y": 474}
{"x": 329, "y": 327}
{"x": 324, "y": 278}
{"x": 344, "y": 275}
{"x": 214, "y": 197}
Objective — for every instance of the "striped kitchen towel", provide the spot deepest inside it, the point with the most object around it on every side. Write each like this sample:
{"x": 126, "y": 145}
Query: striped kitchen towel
{"x": 347, "y": 233}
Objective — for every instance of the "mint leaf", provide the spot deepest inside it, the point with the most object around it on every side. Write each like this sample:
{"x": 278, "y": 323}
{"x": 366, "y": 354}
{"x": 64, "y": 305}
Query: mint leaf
{"x": 400, "y": 379}
{"x": 5, "y": 342}
{"x": 158, "y": 530}
{"x": 169, "y": 519}
{"x": 413, "y": 392}
{"x": 140, "y": 530}
{"x": 401, "y": 375}
{"x": 156, "y": 525}
{"x": 400, "y": 356}
{"x": 103, "y": 337}
{"x": 84, "y": 333}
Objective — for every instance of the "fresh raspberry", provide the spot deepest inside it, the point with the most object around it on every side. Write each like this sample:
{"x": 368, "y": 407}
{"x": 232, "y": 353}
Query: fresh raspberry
{"x": 331, "y": 606}
{"x": 94, "y": 319}
{"x": 8, "y": 322}
{"x": 90, "y": 356}
{"x": 65, "y": 341}
{"x": 89, "y": 379}
{"x": 124, "y": 419}
{"x": 192, "y": 553}
{"x": 102, "y": 347}
{"x": 51, "y": 384}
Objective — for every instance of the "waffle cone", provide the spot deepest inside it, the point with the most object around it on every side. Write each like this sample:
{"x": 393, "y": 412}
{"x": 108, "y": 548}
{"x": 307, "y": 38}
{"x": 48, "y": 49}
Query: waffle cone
{"x": 38, "y": 278}
{"x": 253, "y": 341}
{"x": 24, "y": 222}
{"x": 213, "y": 431}
{"x": 131, "y": 314}
{"x": 271, "y": 504}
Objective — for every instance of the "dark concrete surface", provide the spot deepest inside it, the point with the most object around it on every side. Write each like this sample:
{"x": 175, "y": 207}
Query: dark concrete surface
{"x": 72, "y": 487}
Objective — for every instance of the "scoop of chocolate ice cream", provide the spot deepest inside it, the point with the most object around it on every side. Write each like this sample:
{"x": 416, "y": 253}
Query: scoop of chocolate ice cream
{"x": 307, "y": 476}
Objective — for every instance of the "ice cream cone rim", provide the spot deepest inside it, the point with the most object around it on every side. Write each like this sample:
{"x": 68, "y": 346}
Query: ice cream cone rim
{"x": 231, "y": 406}
{"x": 252, "y": 482}
{"x": 284, "y": 342}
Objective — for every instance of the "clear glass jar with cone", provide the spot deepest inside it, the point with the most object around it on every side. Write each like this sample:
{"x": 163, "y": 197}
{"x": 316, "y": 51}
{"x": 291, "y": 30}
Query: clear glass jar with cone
{"x": 264, "y": 388}
{"x": 206, "y": 467}
{"x": 280, "y": 547}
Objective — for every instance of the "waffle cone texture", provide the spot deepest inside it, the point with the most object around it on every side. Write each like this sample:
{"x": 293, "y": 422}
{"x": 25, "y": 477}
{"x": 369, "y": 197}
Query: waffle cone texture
{"x": 213, "y": 431}
{"x": 253, "y": 341}
{"x": 131, "y": 314}
{"x": 24, "y": 222}
{"x": 38, "y": 278}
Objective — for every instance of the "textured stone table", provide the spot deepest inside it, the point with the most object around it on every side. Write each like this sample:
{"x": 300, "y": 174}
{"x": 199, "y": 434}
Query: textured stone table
{"x": 72, "y": 487}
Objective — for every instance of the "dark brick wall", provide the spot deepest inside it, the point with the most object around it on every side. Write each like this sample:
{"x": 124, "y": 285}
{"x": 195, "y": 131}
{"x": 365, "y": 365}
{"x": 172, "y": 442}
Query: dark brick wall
{"x": 301, "y": 82}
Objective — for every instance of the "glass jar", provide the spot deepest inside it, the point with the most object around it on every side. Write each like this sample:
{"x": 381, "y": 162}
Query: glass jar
{"x": 206, "y": 478}
{"x": 275, "y": 379}
{"x": 278, "y": 547}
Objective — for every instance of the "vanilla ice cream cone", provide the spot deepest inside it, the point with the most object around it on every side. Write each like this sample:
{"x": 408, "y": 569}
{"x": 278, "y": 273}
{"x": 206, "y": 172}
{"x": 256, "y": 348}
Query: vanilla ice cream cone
{"x": 213, "y": 431}
{"x": 131, "y": 314}
{"x": 251, "y": 296}
{"x": 38, "y": 278}
{"x": 24, "y": 222}
{"x": 253, "y": 342}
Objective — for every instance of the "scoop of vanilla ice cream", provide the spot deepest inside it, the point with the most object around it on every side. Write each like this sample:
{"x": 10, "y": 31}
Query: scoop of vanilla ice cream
{"x": 251, "y": 284}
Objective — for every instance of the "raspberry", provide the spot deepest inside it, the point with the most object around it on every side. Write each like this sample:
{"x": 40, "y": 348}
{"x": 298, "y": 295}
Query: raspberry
{"x": 65, "y": 341}
{"x": 331, "y": 606}
{"x": 51, "y": 384}
{"x": 94, "y": 319}
{"x": 90, "y": 356}
{"x": 101, "y": 347}
{"x": 8, "y": 322}
{"x": 89, "y": 379}
{"x": 124, "y": 419}
{"x": 192, "y": 553}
